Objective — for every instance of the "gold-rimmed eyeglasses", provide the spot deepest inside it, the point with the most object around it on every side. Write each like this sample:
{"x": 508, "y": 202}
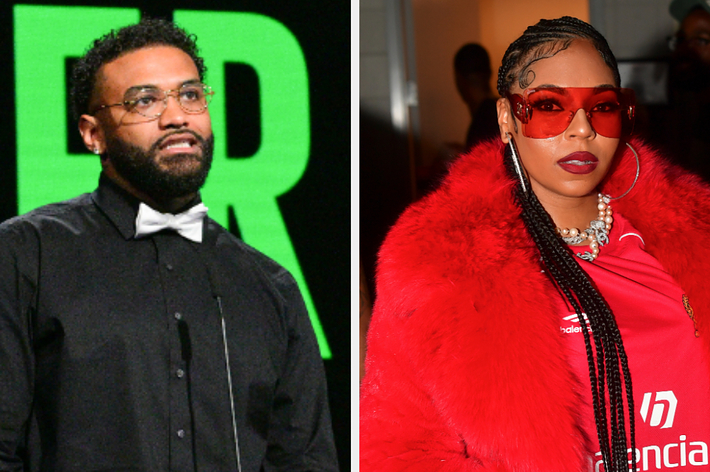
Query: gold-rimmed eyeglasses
{"x": 151, "y": 102}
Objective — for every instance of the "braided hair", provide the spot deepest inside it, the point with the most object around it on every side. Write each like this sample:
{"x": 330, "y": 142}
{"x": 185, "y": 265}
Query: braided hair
{"x": 608, "y": 364}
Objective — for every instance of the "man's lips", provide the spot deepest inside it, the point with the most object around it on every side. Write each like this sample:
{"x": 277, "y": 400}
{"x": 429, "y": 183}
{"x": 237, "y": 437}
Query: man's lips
{"x": 179, "y": 143}
{"x": 579, "y": 162}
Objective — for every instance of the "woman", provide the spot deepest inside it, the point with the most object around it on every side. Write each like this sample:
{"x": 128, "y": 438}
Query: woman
{"x": 477, "y": 359}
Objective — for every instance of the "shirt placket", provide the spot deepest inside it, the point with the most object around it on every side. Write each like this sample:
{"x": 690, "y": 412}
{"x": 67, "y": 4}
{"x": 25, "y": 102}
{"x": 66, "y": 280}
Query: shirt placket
{"x": 181, "y": 431}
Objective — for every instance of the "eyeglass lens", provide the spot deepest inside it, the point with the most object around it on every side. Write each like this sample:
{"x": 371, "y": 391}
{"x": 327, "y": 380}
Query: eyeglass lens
{"x": 547, "y": 112}
{"x": 152, "y": 101}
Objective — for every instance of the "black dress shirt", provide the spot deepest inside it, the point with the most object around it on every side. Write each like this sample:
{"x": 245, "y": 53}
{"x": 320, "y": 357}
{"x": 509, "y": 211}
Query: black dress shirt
{"x": 112, "y": 356}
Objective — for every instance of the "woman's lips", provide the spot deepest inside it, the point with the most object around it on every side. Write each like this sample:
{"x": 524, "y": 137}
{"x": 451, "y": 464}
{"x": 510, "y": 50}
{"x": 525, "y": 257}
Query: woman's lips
{"x": 579, "y": 163}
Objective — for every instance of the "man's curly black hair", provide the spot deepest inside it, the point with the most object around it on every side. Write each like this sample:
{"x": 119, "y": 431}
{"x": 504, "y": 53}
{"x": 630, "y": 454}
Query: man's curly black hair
{"x": 148, "y": 32}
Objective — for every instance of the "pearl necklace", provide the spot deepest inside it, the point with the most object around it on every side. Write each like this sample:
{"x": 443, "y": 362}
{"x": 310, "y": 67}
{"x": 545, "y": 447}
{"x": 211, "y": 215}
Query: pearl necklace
{"x": 597, "y": 234}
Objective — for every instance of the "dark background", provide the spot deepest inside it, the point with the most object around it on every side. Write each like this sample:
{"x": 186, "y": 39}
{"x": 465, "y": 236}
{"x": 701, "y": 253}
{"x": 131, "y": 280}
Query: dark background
{"x": 317, "y": 209}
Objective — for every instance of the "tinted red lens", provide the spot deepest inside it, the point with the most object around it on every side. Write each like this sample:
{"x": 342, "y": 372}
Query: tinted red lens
{"x": 548, "y": 111}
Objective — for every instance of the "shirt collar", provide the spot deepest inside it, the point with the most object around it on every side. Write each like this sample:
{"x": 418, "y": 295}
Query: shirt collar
{"x": 120, "y": 207}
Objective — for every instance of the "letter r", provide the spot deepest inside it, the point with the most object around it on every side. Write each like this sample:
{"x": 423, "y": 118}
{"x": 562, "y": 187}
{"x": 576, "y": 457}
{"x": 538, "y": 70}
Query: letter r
{"x": 253, "y": 184}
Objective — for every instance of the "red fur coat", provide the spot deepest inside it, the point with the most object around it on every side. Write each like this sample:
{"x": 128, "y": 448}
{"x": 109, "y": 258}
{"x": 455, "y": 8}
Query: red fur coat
{"x": 465, "y": 367}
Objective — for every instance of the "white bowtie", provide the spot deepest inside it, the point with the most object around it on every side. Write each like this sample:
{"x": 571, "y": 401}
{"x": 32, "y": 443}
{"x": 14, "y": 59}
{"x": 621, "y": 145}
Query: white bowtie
{"x": 187, "y": 224}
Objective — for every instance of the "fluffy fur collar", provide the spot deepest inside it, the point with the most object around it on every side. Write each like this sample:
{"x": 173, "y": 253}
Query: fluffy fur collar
{"x": 465, "y": 367}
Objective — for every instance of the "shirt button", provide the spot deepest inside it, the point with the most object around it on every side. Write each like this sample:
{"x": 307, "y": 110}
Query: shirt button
{"x": 181, "y": 433}
{"x": 169, "y": 266}
{"x": 180, "y": 373}
{"x": 178, "y": 315}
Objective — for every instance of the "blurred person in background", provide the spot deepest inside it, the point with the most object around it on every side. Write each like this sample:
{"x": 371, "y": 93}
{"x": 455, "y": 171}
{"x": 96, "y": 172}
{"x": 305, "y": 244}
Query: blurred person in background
{"x": 680, "y": 127}
{"x": 472, "y": 69}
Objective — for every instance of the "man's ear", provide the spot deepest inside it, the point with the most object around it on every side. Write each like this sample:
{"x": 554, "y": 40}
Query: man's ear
{"x": 506, "y": 121}
{"x": 92, "y": 134}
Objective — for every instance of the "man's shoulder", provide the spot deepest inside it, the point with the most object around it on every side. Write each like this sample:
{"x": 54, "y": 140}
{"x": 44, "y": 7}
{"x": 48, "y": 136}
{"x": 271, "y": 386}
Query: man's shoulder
{"x": 48, "y": 216}
{"x": 229, "y": 246}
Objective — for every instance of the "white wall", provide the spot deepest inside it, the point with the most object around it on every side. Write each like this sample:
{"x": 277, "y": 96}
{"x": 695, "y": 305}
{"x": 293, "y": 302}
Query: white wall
{"x": 635, "y": 29}
{"x": 374, "y": 67}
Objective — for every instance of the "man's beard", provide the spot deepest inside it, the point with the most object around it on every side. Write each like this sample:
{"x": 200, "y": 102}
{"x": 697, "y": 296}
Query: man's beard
{"x": 141, "y": 169}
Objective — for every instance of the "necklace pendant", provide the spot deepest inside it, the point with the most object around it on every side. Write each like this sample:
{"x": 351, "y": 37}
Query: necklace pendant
{"x": 597, "y": 232}
{"x": 598, "y": 228}
{"x": 587, "y": 256}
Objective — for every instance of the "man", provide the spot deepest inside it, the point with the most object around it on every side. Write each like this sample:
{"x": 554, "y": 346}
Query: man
{"x": 135, "y": 333}
{"x": 472, "y": 70}
{"x": 690, "y": 61}
{"x": 680, "y": 127}
{"x": 472, "y": 74}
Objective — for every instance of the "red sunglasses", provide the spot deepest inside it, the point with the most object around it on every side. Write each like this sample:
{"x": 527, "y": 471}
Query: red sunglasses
{"x": 548, "y": 111}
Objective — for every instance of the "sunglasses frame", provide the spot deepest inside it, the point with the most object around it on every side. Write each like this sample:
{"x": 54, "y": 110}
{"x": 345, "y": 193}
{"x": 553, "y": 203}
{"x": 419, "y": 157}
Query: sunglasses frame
{"x": 523, "y": 110}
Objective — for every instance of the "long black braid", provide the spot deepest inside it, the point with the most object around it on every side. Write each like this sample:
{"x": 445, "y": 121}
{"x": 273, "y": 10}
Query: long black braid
{"x": 608, "y": 365}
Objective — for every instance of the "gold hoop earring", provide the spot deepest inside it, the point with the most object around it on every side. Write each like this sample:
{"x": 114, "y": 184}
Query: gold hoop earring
{"x": 638, "y": 171}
